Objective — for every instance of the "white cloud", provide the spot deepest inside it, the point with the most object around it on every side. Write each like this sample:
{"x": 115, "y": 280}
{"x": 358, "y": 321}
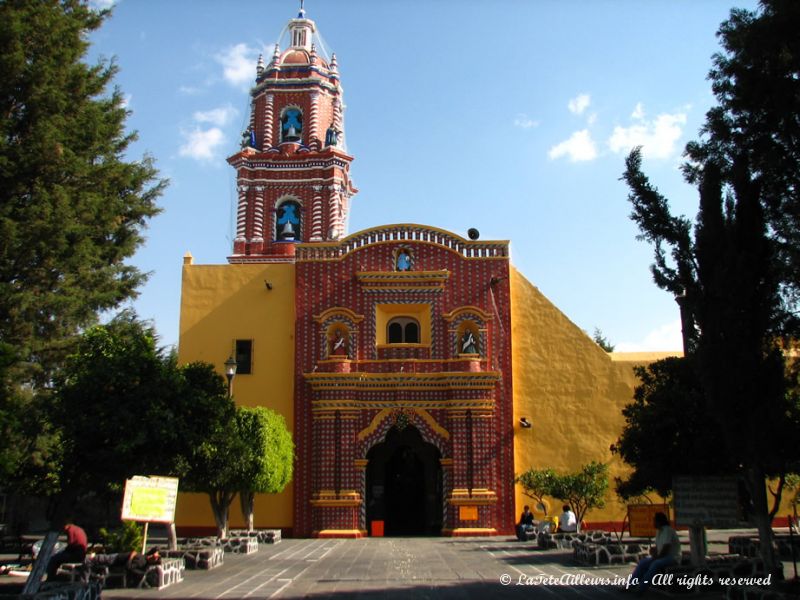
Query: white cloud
{"x": 239, "y": 64}
{"x": 579, "y": 147}
{"x": 201, "y": 144}
{"x": 190, "y": 90}
{"x": 101, "y": 4}
{"x": 216, "y": 116}
{"x": 579, "y": 104}
{"x": 658, "y": 137}
{"x": 525, "y": 122}
{"x": 666, "y": 338}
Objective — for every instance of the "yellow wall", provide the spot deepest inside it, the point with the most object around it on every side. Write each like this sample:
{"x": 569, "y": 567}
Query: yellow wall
{"x": 564, "y": 383}
{"x": 223, "y": 303}
{"x": 570, "y": 389}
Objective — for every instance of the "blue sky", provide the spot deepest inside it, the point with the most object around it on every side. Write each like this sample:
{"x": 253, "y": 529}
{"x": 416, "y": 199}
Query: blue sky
{"x": 513, "y": 117}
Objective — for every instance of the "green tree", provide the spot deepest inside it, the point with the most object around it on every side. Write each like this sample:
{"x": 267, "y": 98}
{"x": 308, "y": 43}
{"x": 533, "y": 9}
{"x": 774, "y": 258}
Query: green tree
{"x": 602, "y": 340}
{"x": 211, "y": 448}
{"x": 736, "y": 278}
{"x": 9, "y": 416}
{"x": 668, "y": 430}
{"x": 29, "y": 445}
{"x": 583, "y": 490}
{"x": 536, "y": 484}
{"x": 793, "y": 487}
{"x": 72, "y": 207}
{"x": 268, "y": 462}
{"x": 757, "y": 122}
{"x": 111, "y": 408}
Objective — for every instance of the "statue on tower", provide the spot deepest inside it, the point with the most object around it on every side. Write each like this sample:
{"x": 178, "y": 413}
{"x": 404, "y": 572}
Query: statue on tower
{"x": 248, "y": 138}
{"x": 331, "y": 137}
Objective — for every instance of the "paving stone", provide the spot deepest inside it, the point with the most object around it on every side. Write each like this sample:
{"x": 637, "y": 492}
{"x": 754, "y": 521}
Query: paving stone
{"x": 397, "y": 568}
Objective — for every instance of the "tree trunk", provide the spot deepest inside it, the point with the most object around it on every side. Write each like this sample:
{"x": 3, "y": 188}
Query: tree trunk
{"x": 756, "y": 483}
{"x": 220, "y": 506}
{"x": 247, "y": 501}
{"x": 172, "y": 536}
{"x": 776, "y": 497}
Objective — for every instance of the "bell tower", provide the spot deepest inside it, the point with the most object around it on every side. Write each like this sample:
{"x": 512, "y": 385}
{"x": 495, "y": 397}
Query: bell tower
{"x": 293, "y": 171}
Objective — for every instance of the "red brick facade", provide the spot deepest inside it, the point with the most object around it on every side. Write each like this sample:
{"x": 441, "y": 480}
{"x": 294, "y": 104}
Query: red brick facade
{"x": 460, "y": 403}
{"x": 403, "y": 388}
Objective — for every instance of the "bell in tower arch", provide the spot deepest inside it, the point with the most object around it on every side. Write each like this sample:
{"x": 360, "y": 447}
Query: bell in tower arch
{"x": 288, "y": 221}
{"x": 291, "y": 125}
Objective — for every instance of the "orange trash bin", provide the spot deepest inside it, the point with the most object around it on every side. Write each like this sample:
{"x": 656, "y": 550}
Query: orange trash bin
{"x": 377, "y": 529}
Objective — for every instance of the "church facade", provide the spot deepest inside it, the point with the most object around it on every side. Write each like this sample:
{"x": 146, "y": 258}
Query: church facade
{"x": 417, "y": 369}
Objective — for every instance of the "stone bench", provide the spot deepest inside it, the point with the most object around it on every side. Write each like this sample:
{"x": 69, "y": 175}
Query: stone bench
{"x": 198, "y": 557}
{"x": 198, "y": 541}
{"x": 610, "y": 552}
{"x": 749, "y": 545}
{"x": 264, "y": 536}
{"x": 168, "y": 572}
{"x": 240, "y": 545}
{"x": 546, "y": 540}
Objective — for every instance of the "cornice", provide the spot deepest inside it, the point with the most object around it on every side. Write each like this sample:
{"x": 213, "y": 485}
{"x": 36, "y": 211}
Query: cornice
{"x": 403, "y": 280}
{"x": 451, "y": 380}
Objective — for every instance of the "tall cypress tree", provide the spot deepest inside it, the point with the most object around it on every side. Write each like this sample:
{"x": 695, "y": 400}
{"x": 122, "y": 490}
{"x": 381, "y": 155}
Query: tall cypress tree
{"x": 72, "y": 206}
{"x": 737, "y": 276}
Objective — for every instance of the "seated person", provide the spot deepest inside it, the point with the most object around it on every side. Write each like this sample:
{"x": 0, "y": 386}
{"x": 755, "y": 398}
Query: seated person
{"x": 525, "y": 524}
{"x": 116, "y": 559}
{"x": 666, "y": 552}
{"x": 138, "y": 564}
{"x": 567, "y": 522}
{"x": 75, "y": 552}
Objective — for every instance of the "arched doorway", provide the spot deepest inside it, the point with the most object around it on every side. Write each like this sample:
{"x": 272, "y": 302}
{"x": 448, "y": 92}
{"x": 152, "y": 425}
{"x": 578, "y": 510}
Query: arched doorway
{"x": 404, "y": 484}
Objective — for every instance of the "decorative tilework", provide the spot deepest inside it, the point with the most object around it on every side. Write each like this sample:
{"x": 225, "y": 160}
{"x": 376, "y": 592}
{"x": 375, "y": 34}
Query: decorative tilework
{"x": 427, "y": 387}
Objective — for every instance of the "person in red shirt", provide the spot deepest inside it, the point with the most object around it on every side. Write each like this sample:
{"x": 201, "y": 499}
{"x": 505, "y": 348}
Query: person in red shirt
{"x": 75, "y": 552}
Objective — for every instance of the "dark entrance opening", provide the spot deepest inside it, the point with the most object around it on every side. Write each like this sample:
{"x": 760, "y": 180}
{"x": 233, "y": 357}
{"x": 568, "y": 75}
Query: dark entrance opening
{"x": 404, "y": 484}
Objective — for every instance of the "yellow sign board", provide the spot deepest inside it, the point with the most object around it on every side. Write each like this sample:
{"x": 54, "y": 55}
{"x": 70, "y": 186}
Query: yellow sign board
{"x": 640, "y": 518}
{"x": 150, "y": 499}
{"x": 468, "y": 513}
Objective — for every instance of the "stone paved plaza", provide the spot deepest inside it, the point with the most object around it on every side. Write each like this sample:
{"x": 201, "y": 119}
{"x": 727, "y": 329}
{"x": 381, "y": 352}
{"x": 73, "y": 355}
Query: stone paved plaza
{"x": 395, "y": 568}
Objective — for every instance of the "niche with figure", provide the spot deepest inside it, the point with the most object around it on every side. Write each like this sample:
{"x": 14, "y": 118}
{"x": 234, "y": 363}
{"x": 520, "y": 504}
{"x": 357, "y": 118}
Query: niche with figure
{"x": 403, "y": 259}
{"x": 469, "y": 339}
{"x": 338, "y": 341}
